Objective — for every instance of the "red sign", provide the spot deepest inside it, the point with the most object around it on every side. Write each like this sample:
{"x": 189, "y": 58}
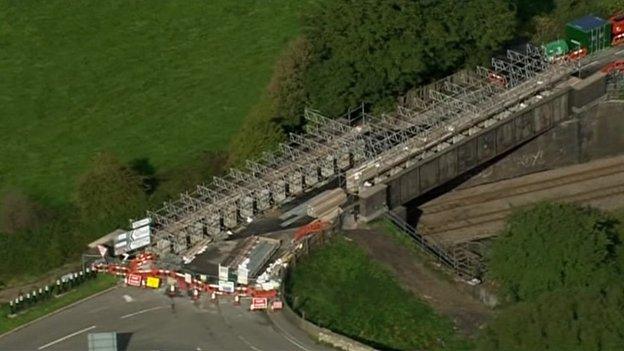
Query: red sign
{"x": 133, "y": 280}
{"x": 259, "y": 303}
{"x": 277, "y": 305}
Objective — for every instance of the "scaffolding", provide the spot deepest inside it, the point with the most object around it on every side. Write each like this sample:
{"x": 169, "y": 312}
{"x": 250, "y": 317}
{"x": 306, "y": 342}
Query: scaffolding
{"x": 361, "y": 147}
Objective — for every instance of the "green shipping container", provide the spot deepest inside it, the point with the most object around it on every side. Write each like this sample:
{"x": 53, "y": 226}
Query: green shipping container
{"x": 589, "y": 32}
{"x": 555, "y": 49}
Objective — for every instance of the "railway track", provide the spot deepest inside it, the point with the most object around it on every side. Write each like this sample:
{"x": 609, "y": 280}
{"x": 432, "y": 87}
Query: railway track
{"x": 481, "y": 212}
{"x": 536, "y": 184}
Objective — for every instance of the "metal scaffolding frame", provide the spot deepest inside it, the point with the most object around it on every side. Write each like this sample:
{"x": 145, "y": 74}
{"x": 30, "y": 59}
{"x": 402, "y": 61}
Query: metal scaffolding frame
{"x": 425, "y": 121}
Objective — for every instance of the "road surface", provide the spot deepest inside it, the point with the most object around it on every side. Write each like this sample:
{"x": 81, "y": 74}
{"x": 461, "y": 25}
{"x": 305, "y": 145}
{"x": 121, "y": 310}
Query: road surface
{"x": 146, "y": 321}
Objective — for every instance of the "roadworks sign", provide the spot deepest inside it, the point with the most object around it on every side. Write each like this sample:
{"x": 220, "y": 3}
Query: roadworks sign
{"x": 134, "y": 280}
{"x": 259, "y": 303}
{"x": 153, "y": 282}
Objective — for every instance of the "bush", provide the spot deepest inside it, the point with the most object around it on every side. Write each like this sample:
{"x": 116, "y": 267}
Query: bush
{"x": 286, "y": 89}
{"x": 553, "y": 246}
{"x": 574, "y": 319}
{"x": 562, "y": 266}
{"x": 259, "y": 132}
{"x": 338, "y": 287}
{"x": 109, "y": 193}
{"x": 172, "y": 182}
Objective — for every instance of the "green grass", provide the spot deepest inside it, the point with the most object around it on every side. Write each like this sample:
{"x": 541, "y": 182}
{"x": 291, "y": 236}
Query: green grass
{"x": 86, "y": 289}
{"x": 162, "y": 80}
{"x": 338, "y": 287}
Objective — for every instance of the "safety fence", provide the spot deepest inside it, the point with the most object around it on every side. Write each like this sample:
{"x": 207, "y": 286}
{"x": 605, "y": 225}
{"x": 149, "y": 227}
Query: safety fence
{"x": 457, "y": 259}
{"x": 142, "y": 272}
{"x": 62, "y": 285}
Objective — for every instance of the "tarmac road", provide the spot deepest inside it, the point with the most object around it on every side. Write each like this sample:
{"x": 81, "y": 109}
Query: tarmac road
{"x": 146, "y": 321}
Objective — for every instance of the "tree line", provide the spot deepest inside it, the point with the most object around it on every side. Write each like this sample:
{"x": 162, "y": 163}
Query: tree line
{"x": 373, "y": 51}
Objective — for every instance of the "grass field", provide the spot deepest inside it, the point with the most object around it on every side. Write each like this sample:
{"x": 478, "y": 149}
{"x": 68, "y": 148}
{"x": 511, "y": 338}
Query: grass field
{"x": 86, "y": 289}
{"x": 340, "y": 288}
{"x": 162, "y": 80}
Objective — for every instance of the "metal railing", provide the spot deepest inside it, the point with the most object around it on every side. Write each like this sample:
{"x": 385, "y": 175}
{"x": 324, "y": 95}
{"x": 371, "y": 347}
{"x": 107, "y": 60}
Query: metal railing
{"x": 450, "y": 259}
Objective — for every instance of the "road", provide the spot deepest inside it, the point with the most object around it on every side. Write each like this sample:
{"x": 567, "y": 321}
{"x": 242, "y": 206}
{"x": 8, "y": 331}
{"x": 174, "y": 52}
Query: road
{"x": 146, "y": 321}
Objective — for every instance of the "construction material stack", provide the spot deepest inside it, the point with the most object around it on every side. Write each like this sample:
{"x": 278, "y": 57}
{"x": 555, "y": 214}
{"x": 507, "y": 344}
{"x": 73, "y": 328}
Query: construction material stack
{"x": 327, "y": 204}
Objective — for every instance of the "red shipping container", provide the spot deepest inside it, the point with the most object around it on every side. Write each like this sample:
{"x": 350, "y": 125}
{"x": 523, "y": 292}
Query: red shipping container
{"x": 617, "y": 24}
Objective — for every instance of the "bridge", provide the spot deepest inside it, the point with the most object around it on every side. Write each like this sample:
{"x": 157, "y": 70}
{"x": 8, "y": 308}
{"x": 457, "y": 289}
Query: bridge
{"x": 436, "y": 133}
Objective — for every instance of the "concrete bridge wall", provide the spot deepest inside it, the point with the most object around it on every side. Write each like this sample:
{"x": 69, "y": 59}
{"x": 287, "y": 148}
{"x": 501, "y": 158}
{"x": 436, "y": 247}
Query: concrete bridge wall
{"x": 592, "y": 134}
{"x": 569, "y": 126}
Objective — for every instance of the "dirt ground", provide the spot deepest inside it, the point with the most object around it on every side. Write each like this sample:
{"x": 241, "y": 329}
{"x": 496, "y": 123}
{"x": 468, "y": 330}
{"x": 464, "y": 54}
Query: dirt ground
{"x": 443, "y": 295}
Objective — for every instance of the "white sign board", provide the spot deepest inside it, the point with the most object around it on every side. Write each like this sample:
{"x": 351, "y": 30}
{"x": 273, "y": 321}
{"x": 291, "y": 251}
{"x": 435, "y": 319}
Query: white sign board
{"x": 140, "y": 233}
{"x": 188, "y": 278}
{"x": 141, "y": 223}
{"x": 242, "y": 276}
{"x": 224, "y": 272}
{"x": 137, "y": 244}
{"x": 225, "y": 286}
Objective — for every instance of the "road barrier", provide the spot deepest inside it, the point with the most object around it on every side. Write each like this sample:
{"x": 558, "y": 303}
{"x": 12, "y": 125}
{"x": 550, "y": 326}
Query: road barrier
{"x": 62, "y": 285}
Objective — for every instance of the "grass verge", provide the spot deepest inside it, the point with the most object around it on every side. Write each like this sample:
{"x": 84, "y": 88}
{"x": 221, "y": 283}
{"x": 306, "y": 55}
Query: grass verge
{"x": 155, "y": 80}
{"x": 338, "y": 287}
{"x": 87, "y": 289}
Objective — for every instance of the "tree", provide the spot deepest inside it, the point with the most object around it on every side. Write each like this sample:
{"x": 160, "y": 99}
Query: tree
{"x": 375, "y": 50}
{"x": 259, "y": 132}
{"x": 575, "y": 319}
{"x": 109, "y": 192}
{"x": 553, "y": 246}
{"x": 174, "y": 181}
{"x": 550, "y": 24}
{"x": 286, "y": 89}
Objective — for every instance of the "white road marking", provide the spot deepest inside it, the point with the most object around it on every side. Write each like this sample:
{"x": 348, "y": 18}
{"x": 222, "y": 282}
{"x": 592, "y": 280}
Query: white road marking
{"x": 128, "y": 298}
{"x": 249, "y": 344}
{"x": 290, "y": 338}
{"x": 65, "y": 337}
{"x": 619, "y": 52}
{"x": 142, "y": 311}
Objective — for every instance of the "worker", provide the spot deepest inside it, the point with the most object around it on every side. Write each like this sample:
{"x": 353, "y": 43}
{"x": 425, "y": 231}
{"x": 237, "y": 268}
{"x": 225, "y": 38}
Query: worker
{"x": 195, "y": 294}
{"x": 11, "y": 308}
{"x": 236, "y": 299}
{"x": 172, "y": 291}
